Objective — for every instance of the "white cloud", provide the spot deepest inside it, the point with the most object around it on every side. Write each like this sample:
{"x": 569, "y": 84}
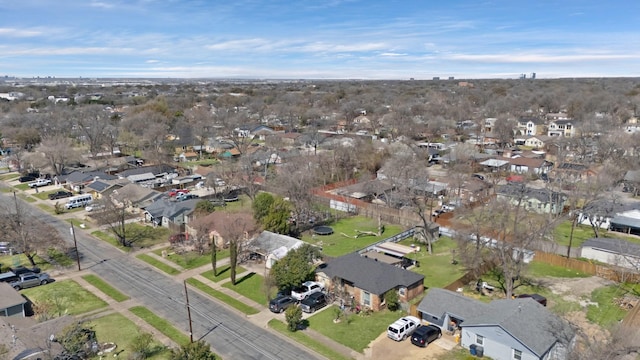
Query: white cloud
{"x": 391, "y": 54}
{"x": 152, "y": 61}
{"x": 19, "y": 32}
{"x": 538, "y": 58}
{"x": 100, "y": 4}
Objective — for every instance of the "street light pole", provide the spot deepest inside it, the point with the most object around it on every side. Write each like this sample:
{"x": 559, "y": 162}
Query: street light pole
{"x": 186, "y": 294}
{"x": 75, "y": 244}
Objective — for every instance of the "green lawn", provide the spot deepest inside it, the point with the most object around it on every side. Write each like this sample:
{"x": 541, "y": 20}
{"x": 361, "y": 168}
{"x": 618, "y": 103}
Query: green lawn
{"x": 27, "y": 198}
{"x": 105, "y": 288}
{"x": 47, "y": 208}
{"x": 306, "y": 340}
{"x": 44, "y": 265}
{"x": 63, "y": 297}
{"x": 607, "y": 313}
{"x": 337, "y": 244}
{"x": 22, "y": 187}
{"x": 436, "y": 268}
{"x": 79, "y": 224}
{"x": 9, "y": 177}
{"x": 356, "y": 332}
{"x": 538, "y": 269}
{"x": 43, "y": 195}
{"x": 142, "y": 236}
{"x": 223, "y": 273}
{"x": 59, "y": 258}
{"x": 250, "y": 286}
{"x": 161, "y": 325}
{"x": 583, "y": 233}
{"x": 229, "y": 300}
{"x": 191, "y": 260}
{"x": 117, "y": 329}
{"x": 158, "y": 264}
{"x": 243, "y": 204}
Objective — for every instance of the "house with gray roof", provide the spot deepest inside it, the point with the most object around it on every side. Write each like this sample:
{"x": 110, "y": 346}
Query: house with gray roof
{"x": 503, "y": 329}
{"x": 627, "y": 222}
{"x": 169, "y": 213}
{"x": 617, "y": 252}
{"x": 11, "y": 302}
{"x": 367, "y": 280}
{"x": 542, "y": 201}
{"x": 273, "y": 247}
{"x": 77, "y": 180}
{"x": 135, "y": 196}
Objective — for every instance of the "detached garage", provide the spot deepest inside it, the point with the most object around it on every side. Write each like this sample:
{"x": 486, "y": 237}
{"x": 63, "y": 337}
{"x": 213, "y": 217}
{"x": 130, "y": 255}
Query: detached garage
{"x": 616, "y": 252}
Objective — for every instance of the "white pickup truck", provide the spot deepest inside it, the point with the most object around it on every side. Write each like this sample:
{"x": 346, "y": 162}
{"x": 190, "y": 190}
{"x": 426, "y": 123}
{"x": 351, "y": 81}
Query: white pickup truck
{"x": 307, "y": 288}
{"x": 40, "y": 182}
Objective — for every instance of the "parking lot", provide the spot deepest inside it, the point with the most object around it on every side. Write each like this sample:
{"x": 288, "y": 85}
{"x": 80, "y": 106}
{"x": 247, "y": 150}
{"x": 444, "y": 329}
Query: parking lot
{"x": 384, "y": 348}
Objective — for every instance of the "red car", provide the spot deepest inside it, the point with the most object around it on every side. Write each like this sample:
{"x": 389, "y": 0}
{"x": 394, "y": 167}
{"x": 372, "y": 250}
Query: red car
{"x": 175, "y": 192}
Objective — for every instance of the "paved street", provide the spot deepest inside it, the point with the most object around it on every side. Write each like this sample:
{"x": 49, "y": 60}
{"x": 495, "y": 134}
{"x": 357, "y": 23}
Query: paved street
{"x": 231, "y": 335}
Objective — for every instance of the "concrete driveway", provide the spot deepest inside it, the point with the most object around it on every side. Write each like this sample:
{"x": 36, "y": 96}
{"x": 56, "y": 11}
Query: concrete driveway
{"x": 384, "y": 348}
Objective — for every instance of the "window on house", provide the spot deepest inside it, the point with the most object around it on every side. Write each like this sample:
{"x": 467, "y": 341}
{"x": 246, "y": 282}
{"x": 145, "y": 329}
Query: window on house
{"x": 479, "y": 339}
{"x": 366, "y": 298}
{"x": 517, "y": 354}
{"x": 402, "y": 291}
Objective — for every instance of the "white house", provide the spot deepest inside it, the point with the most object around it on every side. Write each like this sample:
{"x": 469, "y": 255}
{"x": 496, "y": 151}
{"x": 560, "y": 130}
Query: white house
{"x": 273, "y": 247}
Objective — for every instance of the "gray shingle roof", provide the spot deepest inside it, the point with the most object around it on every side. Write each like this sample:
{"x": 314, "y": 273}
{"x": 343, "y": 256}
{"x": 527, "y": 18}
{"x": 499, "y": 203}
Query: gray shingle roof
{"x": 526, "y": 320}
{"x": 614, "y": 245}
{"x": 81, "y": 177}
{"x": 369, "y": 275}
{"x": 542, "y": 195}
{"x": 9, "y": 296}
{"x": 155, "y": 169}
{"x": 164, "y": 208}
{"x": 437, "y": 302}
{"x": 626, "y": 221}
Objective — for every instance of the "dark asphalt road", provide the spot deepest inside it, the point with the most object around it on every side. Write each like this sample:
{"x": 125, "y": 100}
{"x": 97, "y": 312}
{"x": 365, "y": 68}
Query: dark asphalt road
{"x": 230, "y": 335}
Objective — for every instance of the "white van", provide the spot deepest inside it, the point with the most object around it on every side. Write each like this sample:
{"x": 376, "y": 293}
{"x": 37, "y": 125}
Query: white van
{"x": 78, "y": 201}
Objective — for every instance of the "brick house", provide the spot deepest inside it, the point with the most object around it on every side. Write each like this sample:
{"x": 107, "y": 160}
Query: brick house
{"x": 367, "y": 280}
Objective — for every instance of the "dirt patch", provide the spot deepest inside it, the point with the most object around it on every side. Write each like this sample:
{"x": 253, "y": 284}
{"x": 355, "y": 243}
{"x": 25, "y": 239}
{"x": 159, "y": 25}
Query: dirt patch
{"x": 384, "y": 348}
{"x": 575, "y": 289}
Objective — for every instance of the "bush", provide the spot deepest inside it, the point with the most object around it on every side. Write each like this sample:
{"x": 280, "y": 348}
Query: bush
{"x": 142, "y": 346}
{"x": 293, "y": 315}
{"x": 392, "y": 299}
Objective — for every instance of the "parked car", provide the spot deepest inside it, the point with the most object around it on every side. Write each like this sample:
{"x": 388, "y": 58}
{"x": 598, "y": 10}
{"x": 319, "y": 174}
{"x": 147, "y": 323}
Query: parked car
{"x": 19, "y": 270}
{"x": 27, "y": 178}
{"x": 94, "y": 207}
{"x": 8, "y": 277}
{"x": 6, "y": 248}
{"x": 176, "y": 192}
{"x": 30, "y": 280}
{"x": 307, "y": 288}
{"x": 313, "y": 302}
{"x": 60, "y": 194}
{"x": 185, "y": 196}
{"x": 425, "y": 334}
{"x": 403, "y": 328}
{"x": 40, "y": 182}
{"x": 537, "y": 297}
{"x": 281, "y": 303}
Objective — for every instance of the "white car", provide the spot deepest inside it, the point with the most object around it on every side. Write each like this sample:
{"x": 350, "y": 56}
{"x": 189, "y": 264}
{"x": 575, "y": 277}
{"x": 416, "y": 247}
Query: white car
{"x": 40, "y": 182}
{"x": 403, "y": 328}
{"x": 307, "y": 288}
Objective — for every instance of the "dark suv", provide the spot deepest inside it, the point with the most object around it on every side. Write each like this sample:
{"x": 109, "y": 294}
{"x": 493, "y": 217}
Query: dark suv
{"x": 281, "y": 303}
{"x": 537, "y": 297}
{"x": 313, "y": 302}
{"x": 425, "y": 334}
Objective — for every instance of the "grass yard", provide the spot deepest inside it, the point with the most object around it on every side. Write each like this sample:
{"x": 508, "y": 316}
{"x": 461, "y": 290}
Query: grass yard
{"x": 141, "y": 235}
{"x": 607, "y": 313}
{"x": 118, "y": 329}
{"x": 229, "y": 300}
{"x": 250, "y": 286}
{"x": 223, "y": 273}
{"x": 161, "y": 325}
{"x": 9, "y": 177}
{"x": 44, "y": 265}
{"x": 47, "y": 208}
{"x": 63, "y": 297}
{"x": 59, "y": 258}
{"x": 242, "y": 205}
{"x": 357, "y": 331}
{"x": 105, "y": 288}
{"x": 191, "y": 260}
{"x": 306, "y": 340}
{"x": 158, "y": 264}
{"x": 27, "y": 198}
{"x": 537, "y": 269}
{"x": 22, "y": 187}
{"x": 79, "y": 224}
{"x": 337, "y": 244}
{"x": 583, "y": 233}
{"x": 436, "y": 268}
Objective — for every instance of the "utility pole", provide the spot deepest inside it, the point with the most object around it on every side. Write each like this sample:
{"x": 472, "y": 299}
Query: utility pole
{"x": 186, "y": 295}
{"x": 75, "y": 244}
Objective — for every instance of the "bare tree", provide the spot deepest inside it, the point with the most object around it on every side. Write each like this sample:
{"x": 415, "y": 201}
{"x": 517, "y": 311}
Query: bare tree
{"x": 57, "y": 152}
{"x": 237, "y": 231}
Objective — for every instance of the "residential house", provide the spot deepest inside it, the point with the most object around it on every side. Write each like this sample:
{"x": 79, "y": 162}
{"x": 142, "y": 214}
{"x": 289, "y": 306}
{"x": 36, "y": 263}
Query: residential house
{"x": 536, "y": 141}
{"x": 151, "y": 176}
{"x": 572, "y": 172}
{"x": 530, "y": 126}
{"x": 170, "y": 214}
{"x": 77, "y": 180}
{"x": 495, "y": 165}
{"x": 503, "y": 329}
{"x": 220, "y": 225}
{"x": 26, "y": 339}
{"x": 367, "y": 280}
{"x": 262, "y": 132}
{"x": 11, "y": 302}
{"x": 271, "y": 247}
{"x": 521, "y": 165}
{"x": 188, "y": 156}
{"x": 564, "y": 128}
{"x": 474, "y": 190}
{"x": 610, "y": 251}
{"x": 99, "y": 188}
{"x": 135, "y": 196}
{"x": 542, "y": 201}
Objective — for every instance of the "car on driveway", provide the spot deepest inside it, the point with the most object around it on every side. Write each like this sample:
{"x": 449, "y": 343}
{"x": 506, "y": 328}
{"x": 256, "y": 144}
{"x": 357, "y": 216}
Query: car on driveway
{"x": 30, "y": 280}
{"x": 176, "y": 192}
{"x": 403, "y": 328}
{"x": 40, "y": 182}
{"x": 537, "y": 297}
{"x": 27, "y": 178}
{"x": 60, "y": 194}
{"x": 313, "y": 302}
{"x": 281, "y": 303}
{"x": 425, "y": 334}
{"x": 307, "y": 288}
{"x": 185, "y": 196}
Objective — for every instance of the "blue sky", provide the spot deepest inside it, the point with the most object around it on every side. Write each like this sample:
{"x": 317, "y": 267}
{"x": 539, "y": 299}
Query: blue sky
{"x": 319, "y": 39}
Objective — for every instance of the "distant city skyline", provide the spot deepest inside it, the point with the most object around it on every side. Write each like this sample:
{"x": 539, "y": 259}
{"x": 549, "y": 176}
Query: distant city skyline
{"x": 332, "y": 39}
